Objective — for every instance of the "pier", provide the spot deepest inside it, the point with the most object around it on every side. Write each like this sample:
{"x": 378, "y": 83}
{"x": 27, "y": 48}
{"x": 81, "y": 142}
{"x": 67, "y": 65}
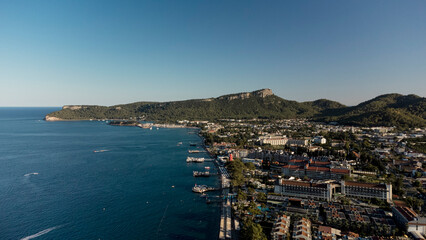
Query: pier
{"x": 228, "y": 225}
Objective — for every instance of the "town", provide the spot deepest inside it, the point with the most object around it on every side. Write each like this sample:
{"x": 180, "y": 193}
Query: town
{"x": 297, "y": 179}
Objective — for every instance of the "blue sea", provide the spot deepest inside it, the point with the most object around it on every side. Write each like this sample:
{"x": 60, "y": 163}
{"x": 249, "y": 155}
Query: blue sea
{"x": 53, "y": 185}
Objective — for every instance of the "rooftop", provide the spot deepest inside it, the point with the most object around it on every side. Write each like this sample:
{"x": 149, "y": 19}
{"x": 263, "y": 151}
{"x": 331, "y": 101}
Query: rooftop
{"x": 365, "y": 185}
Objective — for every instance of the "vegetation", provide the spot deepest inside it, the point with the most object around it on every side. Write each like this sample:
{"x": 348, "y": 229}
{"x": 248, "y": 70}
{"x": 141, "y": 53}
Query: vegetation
{"x": 252, "y": 231}
{"x": 418, "y": 144}
{"x": 386, "y": 110}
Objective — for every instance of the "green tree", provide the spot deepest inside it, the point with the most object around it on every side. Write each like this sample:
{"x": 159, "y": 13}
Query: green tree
{"x": 252, "y": 231}
{"x": 241, "y": 196}
{"x": 261, "y": 196}
{"x": 416, "y": 183}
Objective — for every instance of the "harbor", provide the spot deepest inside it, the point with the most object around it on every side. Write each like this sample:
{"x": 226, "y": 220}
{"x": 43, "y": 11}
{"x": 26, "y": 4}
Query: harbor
{"x": 229, "y": 227}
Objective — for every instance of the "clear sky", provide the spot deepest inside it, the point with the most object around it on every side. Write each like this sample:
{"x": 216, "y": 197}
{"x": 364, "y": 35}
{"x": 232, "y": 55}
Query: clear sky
{"x": 54, "y": 53}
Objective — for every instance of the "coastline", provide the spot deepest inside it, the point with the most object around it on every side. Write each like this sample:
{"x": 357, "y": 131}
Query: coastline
{"x": 228, "y": 225}
{"x": 158, "y": 125}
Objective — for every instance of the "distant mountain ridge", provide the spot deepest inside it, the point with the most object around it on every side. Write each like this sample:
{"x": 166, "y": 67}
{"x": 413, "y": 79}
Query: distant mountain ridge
{"x": 385, "y": 110}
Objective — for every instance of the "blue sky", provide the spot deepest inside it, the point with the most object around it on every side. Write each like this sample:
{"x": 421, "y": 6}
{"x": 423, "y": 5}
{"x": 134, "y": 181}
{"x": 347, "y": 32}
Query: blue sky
{"x": 54, "y": 53}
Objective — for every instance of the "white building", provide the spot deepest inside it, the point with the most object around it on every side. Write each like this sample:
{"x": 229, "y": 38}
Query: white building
{"x": 273, "y": 140}
{"x": 303, "y": 189}
{"x": 409, "y": 219}
{"x": 319, "y": 140}
{"x": 367, "y": 190}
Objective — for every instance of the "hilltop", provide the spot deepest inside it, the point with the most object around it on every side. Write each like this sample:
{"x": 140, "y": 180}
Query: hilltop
{"x": 384, "y": 110}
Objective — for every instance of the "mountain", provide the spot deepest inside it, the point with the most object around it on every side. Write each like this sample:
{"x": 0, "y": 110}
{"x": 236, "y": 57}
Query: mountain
{"x": 387, "y": 110}
{"x": 384, "y": 110}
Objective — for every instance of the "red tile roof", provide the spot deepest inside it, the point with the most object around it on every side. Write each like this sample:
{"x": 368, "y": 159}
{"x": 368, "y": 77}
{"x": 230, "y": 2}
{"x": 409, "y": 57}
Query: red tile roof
{"x": 303, "y": 183}
{"x": 407, "y": 212}
{"x": 337, "y": 170}
{"x": 366, "y": 185}
{"x": 318, "y": 169}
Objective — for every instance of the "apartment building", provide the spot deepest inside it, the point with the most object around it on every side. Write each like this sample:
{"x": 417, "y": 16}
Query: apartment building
{"x": 303, "y": 189}
{"x": 281, "y": 226}
{"x": 367, "y": 190}
{"x": 302, "y": 230}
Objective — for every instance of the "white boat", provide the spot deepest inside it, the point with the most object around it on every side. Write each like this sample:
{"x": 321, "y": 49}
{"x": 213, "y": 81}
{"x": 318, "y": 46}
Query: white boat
{"x": 199, "y": 188}
{"x": 201, "y": 174}
{"x": 194, "y": 159}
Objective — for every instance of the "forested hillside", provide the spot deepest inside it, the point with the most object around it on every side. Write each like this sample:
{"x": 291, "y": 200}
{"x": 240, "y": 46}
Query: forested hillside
{"x": 386, "y": 110}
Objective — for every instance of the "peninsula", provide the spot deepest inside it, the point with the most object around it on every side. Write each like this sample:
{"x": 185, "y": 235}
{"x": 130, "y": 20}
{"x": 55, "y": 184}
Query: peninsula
{"x": 403, "y": 111}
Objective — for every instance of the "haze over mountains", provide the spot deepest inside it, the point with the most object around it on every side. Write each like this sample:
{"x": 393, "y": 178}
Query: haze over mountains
{"x": 385, "y": 110}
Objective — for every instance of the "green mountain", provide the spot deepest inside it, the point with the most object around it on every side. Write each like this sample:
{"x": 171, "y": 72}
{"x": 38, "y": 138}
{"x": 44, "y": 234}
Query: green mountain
{"x": 387, "y": 110}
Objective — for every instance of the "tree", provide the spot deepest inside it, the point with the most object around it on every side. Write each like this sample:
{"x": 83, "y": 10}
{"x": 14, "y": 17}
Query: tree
{"x": 242, "y": 196}
{"x": 418, "y": 175}
{"x": 250, "y": 166}
{"x": 414, "y": 202}
{"x": 261, "y": 196}
{"x": 252, "y": 231}
{"x": 416, "y": 183}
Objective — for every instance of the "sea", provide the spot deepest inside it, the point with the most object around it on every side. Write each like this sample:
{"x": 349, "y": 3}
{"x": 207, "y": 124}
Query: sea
{"x": 90, "y": 180}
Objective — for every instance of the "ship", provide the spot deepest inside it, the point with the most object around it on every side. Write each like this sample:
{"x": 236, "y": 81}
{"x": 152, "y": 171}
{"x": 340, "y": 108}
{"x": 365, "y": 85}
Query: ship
{"x": 193, "y": 159}
{"x": 201, "y": 174}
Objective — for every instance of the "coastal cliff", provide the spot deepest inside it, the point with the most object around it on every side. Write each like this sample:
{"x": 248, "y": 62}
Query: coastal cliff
{"x": 50, "y": 118}
{"x": 259, "y": 93}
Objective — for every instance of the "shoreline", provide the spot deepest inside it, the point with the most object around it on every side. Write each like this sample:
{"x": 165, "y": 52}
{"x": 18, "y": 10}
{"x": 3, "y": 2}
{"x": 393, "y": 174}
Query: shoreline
{"x": 228, "y": 225}
{"x": 158, "y": 125}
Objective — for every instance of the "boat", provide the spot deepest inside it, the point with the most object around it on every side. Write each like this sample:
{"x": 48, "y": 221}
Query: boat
{"x": 195, "y": 151}
{"x": 199, "y": 188}
{"x": 201, "y": 174}
{"x": 193, "y": 144}
{"x": 207, "y": 168}
{"x": 193, "y": 159}
{"x": 103, "y": 150}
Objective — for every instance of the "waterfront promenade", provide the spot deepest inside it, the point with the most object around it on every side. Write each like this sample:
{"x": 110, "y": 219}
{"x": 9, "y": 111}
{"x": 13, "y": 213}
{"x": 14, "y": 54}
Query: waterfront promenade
{"x": 228, "y": 225}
